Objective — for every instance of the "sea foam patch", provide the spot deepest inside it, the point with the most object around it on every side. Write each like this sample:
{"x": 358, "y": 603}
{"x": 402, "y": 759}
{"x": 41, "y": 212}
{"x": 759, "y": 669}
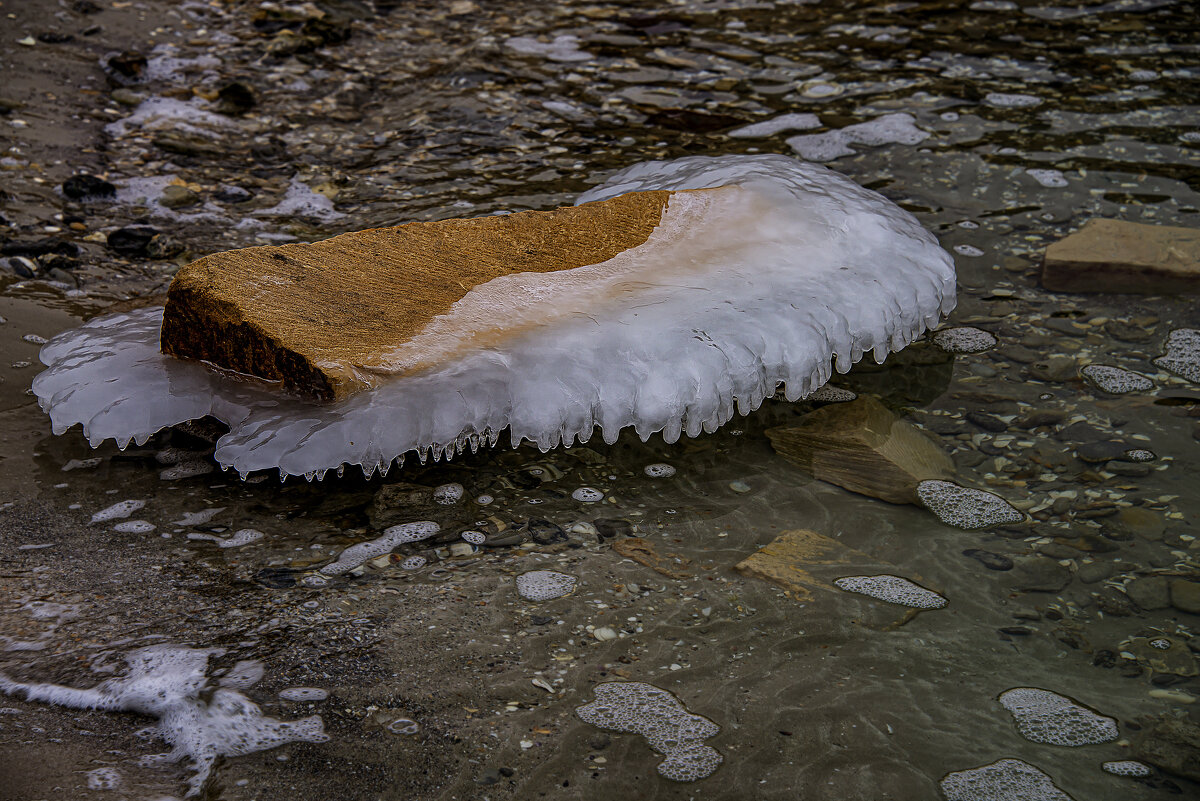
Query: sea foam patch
{"x": 660, "y": 717}
{"x": 893, "y": 589}
{"x": 964, "y": 507}
{"x": 763, "y": 284}
{"x": 1002, "y": 780}
{"x": 200, "y": 719}
{"x": 1047, "y": 717}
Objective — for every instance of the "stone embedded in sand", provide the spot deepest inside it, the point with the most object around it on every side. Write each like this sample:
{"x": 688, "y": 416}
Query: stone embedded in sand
{"x": 1170, "y": 744}
{"x": 1119, "y": 256}
{"x": 319, "y": 317}
{"x": 863, "y": 447}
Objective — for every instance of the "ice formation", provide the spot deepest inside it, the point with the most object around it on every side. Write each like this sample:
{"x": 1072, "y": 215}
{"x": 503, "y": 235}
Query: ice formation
{"x": 964, "y": 339}
{"x": 1115, "y": 380}
{"x": 964, "y": 507}
{"x": 1127, "y": 767}
{"x": 544, "y": 585}
{"x": 791, "y": 271}
{"x": 200, "y": 723}
{"x": 660, "y": 717}
{"x": 892, "y": 589}
{"x": 1047, "y": 717}
{"x": 1003, "y": 780}
{"x": 1182, "y": 355}
{"x": 392, "y": 538}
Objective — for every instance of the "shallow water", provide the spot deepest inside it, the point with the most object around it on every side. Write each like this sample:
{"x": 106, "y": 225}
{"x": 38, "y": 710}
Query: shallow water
{"x": 429, "y": 112}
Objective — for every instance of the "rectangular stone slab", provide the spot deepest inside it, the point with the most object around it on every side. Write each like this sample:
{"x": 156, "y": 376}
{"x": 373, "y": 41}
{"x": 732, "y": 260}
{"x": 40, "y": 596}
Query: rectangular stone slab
{"x": 1124, "y": 257}
{"x": 310, "y": 315}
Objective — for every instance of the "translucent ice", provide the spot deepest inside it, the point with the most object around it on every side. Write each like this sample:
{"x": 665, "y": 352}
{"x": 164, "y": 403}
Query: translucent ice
{"x": 790, "y": 270}
{"x": 200, "y": 723}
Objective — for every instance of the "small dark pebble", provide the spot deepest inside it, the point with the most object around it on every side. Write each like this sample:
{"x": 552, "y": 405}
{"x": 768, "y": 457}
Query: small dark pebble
{"x": 1104, "y": 658}
{"x": 21, "y": 267}
{"x": 992, "y": 561}
{"x": 1042, "y": 417}
{"x": 541, "y": 620}
{"x": 162, "y": 246}
{"x": 507, "y": 772}
{"x": 40, "y": 247}
{"x": 987, "y": 422}
{"x": 233, "y": 194}
{"x": 235, "y": 98}
{"x": 54, "y": 37}
{"x": 609, "y": 527}
{"x": 127, "y": 66}
{"x": 1095, "y": 452}
{"x": 1016, "y": 631}
{"x": 544, "y": 532}
{"x": 85, "y": 7}
{"x": 1128, "y": 469}
{"x": 1167, "y": 680}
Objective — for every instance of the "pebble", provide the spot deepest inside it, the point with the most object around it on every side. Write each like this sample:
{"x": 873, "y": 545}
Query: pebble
{"x": 1094, "y": 572}
{"x": 1149, "y": 592}
{"x": 992, "y": 561}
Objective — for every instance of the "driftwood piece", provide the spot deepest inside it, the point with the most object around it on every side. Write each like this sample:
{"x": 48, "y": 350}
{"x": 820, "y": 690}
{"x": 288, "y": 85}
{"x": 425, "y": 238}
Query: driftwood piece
{"x": 863, "y": 447}
{"x": 1119, "y": 256}
{"x": 316, "y": 317}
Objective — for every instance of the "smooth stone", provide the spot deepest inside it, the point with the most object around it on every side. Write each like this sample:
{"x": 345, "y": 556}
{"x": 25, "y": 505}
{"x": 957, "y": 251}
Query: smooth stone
{"x": 1038, "y": 574}
{"x": 175, "y": 196}
{"x": 990, "y": 560}
{"x": 1095, "y": 452}
{"x": 1125, "y": 257}
{"x": 1185, "y": 596}
{"x": 1150, "y": 592}
{"x": 987, "y": 422}
{"x": 1094, "y": 572}
{"x": 1170, "y": 744}
{"x": 1057, "y": 550}
{"x": 1055, "y": 368}
{"x": 1128, "y": 469}
{"x": 1133, "y": 521}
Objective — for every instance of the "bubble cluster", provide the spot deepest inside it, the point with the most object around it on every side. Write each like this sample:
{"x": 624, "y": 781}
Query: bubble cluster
{"x": 303, "y": 694}
{"x": 588, "y": 495}
{"x": 103, "y": 779}
{"x": 392, "y": 537}
{"x": 964, "y": 507}
{"x": 964, "y": 339}
{"x": 414, "y": 562}
{"x": 828, "y": 394}
{"x": 1127, "y": 767}
{"x": 659, "y": 470}
{"x": 448, "y": 494}
{"x": 403, "y": 726}
{"x": 1047, "y": 717}
{"x": 1003, "y": 780}
{"x": 484, "y": 500}
{"x": 967, "y": 250}
{"x": 1115, "y": 380}
{"x": 243, "y": 536}
{"x": 893, "y": 589}
{"x": 639, "y": 708}
{"x": 202, "y": 722}
{"x": 1051, "y": 179}
{"x": 1140, "y": 455}
{"x": 118, "y": 511}
{"x": 1182, "y": 355}
{"x": 474, "y": 537}
{"x": 544, "y": 585}
{"x": 135, "y": 527}
{"x": 1002, "y": 100}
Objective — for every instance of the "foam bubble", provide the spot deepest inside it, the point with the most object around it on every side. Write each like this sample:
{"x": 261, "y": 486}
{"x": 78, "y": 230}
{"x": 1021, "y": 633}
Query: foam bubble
{"x": 413, "y": 562}
{"x": 640, "y": 708}
{"x": 828, "y": 394}
{"x": 1002, "y": 100}
{"x": 964, "y": 507}
{"x": 775, "y": 125}
{"x": 884, "y": 130}
{"x": 474, "y": 537}
{"x": 544, "y": 585}
{"x": 104, "y": 779}
{"x": 135, "y": 527}
{"x": 964, "y": 339}
{"x": 1127, "y": 767}
{"x": 392, "y": 538}
{"x": 1182, "y": 355}
{"x": 967, "y": 250}
{"x": 659, "y": 470}
{"x": 1140, "y": 455}
{"x": 1042, "y": 716}
{"x": 303, "y": 694}
{"x": 301, "y": 201}
{"x": 118, "y": 511}
{"x": 892, "y": 589}
{"x": 448, "y": 494}
{"x": 200, "y": 723}
{"x": 564, "y": 48}
{"x": 588, "y": 495}
{"x": 1115, "y": 380}
{"x": 1051, "y": 179}
{"x": 484, "y": 500}
{"x": 243, "y": 536}
{"x": 1003, "y": 780}
{"x": 403, "y": 726}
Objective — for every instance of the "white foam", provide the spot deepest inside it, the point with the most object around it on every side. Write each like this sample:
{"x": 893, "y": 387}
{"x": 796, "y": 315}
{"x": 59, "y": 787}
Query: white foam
{"x": 200, "y": 723}
{"x": 1127, "y": 767}
{"x": 104, "y": 779}
{"x": 640, "y": 708}
{"x": 167, "y": 114}
{"x": 241, "y": 537}
{"x": 135, "y": 527}
{"x": 1043, "y": 716}
{"x": 301, "y": 201}
{"x": 1002, "y": 100}
{"x": 448, "y": 494}
{"x": 118, "y": 511}
{"x": 588, "y": 495}
{"x": 1140, "y": 455}
{"x": 392, "y": 538}
{"x": 1003, "y": 780}
{"x": 965, "y": 507}
{"x": 1051, "y": 179}
{"x": 888, "y": 129}
{"x": 893, "y": 589}
{"x": 544, "y": 585}
{"x": 1115, "y": 380}
{"x": 964, "y": 339}
{"x": 1182, "y": 355}
{"x": 776, "y": 125}
{"x": 564, "y": 48}
{"x": 659, "y": 470}
{"x": 734, "y": 294}
{"x": 303, "y": 694}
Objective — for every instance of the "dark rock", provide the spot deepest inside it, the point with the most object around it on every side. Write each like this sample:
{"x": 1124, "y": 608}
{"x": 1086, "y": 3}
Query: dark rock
{"x": 1095, "y": 452}
{"x": 1038, "y": 574}
{"x": 1104, "y": 658}
{"x": 1131, "y": 521}
{"x": 1114, "y": 602}
{"x": 85, "y": 7}
{"x": 235, "y": 99}
{"x": 132, "y": 240}
{"x": 679, "y": 119}
{"x": 1185, "y": 596}
{"x": 541, "y": 620}
{"x": 987, "y": 422}
{"x": 1020, "y": 354}
{"x": 992, "y": 561}
{"x": 1042, "y": 417}
{"x": 1056, "y": 368}
{"x": 21, "y": 266}
{"x": 126, "y": 67}
{"x": 1128, "y": 332}
{"x": 1149, "y": 593}
{"x": 1172, "y": 745}
{"x": 40, "y": 247}
{"x": 186, "y": 144}
{"x": 1128, "y": 469}
{"x": 607, "y": 527}
{"x": 1063, "y": 325}
{"x": 84, "y": 186}
{"x": 54, "y": 37}
{"x": 1016, "y": 631}
{"x": 1094, "y": 572}
{"x": 175, "y": 196}
{"x": 543, "y": 532}
{"x": 395, "y": 502}
{"x": 162, "y": 246}
{"x": 1057, "y": 550}
{"x": 233, "y": 194}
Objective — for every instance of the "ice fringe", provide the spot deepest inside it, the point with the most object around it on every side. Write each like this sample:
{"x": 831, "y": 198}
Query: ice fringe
{"x": 732, "y": 296}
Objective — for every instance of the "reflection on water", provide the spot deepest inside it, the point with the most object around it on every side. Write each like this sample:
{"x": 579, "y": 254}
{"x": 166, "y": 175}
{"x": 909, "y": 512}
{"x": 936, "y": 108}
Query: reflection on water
{"x": 1036, "y": 116}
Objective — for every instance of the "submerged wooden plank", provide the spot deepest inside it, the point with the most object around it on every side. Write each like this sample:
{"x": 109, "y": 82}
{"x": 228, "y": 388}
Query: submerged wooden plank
{"x": 311, "y": 316}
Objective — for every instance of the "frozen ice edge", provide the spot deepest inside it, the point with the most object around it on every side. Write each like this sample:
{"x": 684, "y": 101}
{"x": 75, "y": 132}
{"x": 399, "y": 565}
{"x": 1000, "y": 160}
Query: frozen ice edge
{"x": 776, "y": 290}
